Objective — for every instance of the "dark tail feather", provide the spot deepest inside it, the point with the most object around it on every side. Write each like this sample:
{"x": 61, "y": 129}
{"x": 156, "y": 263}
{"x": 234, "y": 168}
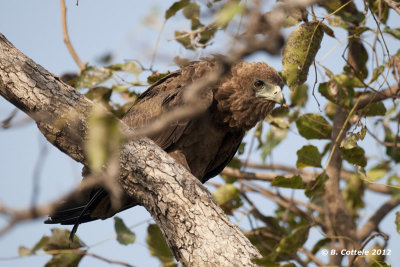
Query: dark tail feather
{"x": 86, "y": 210}
{"x": 77, "y": 211}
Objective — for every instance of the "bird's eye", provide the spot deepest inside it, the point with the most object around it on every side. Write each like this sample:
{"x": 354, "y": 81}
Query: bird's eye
{"x": 258, "y": 84}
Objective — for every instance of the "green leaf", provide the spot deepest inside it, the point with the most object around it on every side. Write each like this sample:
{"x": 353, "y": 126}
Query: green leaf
{"x": 376, "y": 174}
{"x": 347, "y": 81}
{"x": 353, "y": 194}
{"x": 24, "y": 251}
{"x": 308, "y": 156}
{"x": 274, "y": 137}
{"x": 354, "y": 155}
{"x": 374, "y": 109}
{"x": 394, "y": 32}
{"x": 192, "y": 12}
{"x": 391, "y": 151}
{"x": 313, "y": 126}
{"x": 129, "y": 66}
{"x": 91, "y": 76}
{"x": 348, "y": 17}
{"x": 103, "y": 139}
{"x": 124, "y": 235}
{"x": 397, "y": 221}
{"x": 358, "y": 60}
{"x": 294, "y": 182}
{"x": 100, "y": 93}
{"x": 155, "y": 76}
{"x": 157, "y": 245}
{"x": 299, "y": 52}
{"x": 316, "y": 188}
{"x": 376, "y": 73}
{"x": 227, "y": 197}
{"x": 394, "y": 182}
{"x": 228, "y": 12}
{"x": 320, "y": 244}
{"x": 291, "y": 243}
{"x": 59, "y": 240}
{"x": 183, "y": 40}
{"x": 299, "y": 96}
{"x": 171, "y": 11}
{"x": 327, "y": 30}
{"x": 65, "y": 259}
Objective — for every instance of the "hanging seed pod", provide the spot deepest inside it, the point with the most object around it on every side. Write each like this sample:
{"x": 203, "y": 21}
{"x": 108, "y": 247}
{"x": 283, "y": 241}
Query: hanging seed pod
{"x": 299, "y": 52}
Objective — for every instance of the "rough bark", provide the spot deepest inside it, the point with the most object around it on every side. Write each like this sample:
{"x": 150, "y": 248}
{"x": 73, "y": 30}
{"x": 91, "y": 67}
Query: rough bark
{"x": 196, "y": 229}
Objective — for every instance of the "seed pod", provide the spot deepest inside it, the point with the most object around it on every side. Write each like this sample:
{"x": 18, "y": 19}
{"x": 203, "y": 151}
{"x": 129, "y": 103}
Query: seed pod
{"x": 299, "y": 52}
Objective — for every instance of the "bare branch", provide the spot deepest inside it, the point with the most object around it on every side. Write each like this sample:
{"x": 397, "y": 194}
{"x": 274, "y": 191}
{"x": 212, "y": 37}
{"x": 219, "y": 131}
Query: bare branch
{"x": 67, "y": 41}
{"x": 394, "y": 5}
{"x": 376, "y": 218}
{"x": 365, "y": 99}
{"x": 385, "y": 236}
{"x": 87, "y": 253}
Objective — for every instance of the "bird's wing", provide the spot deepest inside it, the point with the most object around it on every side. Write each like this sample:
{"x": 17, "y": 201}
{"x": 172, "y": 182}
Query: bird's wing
{"x": 163, "y": 96}
{"x": 226, "y": 152}
{"x": 166, "y": 95}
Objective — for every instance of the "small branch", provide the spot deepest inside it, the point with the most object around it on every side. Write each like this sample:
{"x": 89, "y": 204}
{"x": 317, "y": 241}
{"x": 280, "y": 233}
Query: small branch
{"x": 67, "y": 42}
{"x": 287, "y": 203}
{"x": 389, "y": 144}
{"x": 312, "y": 257}
{"x": 376, "y": 218}
{"x": 86, "y": 253}
{"x": 365, "y": 99}
{"x": 306, "y": 175}
{"x": 6, "y": 122}
{"x": 385, "y": 236}
{"x": 394, "y": 5}
{"x": 33, "y": 212}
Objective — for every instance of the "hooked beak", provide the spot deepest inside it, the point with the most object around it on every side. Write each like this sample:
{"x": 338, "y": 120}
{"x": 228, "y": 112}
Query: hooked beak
{"x": 275, "y": 96}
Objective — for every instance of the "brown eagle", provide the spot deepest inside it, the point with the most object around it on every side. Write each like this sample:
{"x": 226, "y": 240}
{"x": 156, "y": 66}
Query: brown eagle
{"x": 204, "y": 144}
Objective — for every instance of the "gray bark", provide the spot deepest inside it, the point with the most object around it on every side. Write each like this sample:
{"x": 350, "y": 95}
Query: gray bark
{"x": 196, "y": 229}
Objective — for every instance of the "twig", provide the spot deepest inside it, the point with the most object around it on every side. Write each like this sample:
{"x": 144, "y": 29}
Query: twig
{"x": 365, "y": 99}
{"x": 375, "y": 219}
{"x": 393, "y": 5}
{"x": 284, "y": 202}
{"x": 67, "y": 42}
{"x": 389, "y": 144}
{"x": 385, "y": 236}
{"x": 36, "y": 174}
{"x": 86, "y": 253}
{"x": 17, "y": 216}
{"x": 311, "y": 257}
{"x": 6, "y": 122}
{"x": 153, "y": 57}
{"x": 306, "y": 175}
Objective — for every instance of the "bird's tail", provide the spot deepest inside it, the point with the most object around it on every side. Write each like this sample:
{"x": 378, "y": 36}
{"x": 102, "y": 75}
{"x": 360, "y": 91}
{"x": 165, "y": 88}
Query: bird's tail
{"x": 78, "y": 210}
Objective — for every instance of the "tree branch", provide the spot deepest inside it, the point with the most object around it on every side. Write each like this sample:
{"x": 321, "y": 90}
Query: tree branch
{"x": 365, "y": 99}
{"x": 376, "y": 218}
{"x": 196, "y": 229}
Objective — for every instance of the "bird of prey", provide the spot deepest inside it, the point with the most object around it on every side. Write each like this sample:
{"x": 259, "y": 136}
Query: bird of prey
{"x": 204, "y": 144}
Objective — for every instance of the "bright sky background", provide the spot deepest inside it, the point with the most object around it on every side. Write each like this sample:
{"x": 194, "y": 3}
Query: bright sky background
{"x": 97, "y": 27}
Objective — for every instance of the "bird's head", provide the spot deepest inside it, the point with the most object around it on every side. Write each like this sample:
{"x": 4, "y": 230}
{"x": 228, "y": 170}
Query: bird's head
{"x": 259, "y": 80}
{"x": 249, "y": 94}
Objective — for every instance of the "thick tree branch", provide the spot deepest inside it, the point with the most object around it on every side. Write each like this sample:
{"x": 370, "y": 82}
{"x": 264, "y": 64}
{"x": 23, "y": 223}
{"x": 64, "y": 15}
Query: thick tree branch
{"x": 196, "y": 229}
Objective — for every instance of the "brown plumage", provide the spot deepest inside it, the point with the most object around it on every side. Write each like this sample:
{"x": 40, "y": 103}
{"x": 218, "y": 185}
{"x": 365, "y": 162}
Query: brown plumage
{"x": 204, "y": 144}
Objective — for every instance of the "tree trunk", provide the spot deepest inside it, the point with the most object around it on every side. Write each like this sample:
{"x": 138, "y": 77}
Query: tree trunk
{"x": 196, "y": 229}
